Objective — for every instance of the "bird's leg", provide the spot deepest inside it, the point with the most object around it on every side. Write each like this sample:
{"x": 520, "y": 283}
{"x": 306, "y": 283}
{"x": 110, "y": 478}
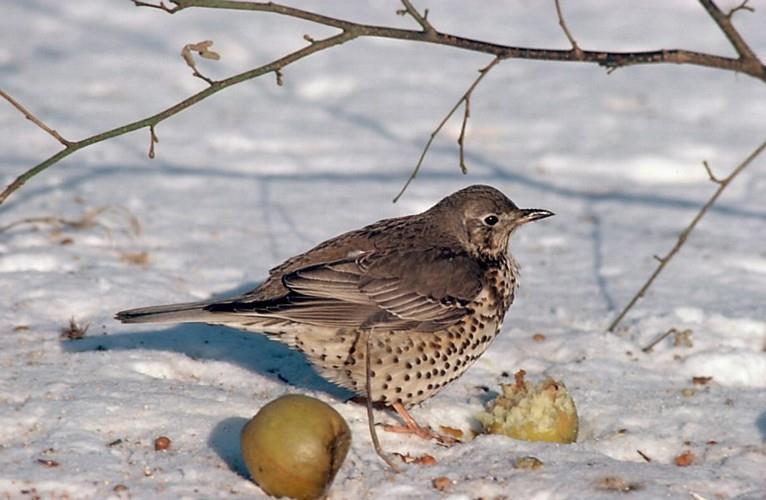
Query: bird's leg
{"x": 412, "y": 427}
{"x": 370, "y": 416}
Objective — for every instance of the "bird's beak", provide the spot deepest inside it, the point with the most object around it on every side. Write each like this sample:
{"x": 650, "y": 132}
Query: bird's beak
{"x": 532, "y": 214}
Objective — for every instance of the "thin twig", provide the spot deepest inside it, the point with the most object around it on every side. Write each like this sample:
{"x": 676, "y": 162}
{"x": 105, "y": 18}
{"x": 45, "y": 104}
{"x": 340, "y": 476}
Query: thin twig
{"x": 461, "y": 137}
{"x": 742, "y": 6}
{"x": 682, "y": 237}
{"x": 196, "y": 73}
{"x": 421, "y": 20}
{"x": 710, "y": 173}
{"x": 576, "y": 50}
{"x": 370, "y": 414}
{"x": 464, "y": 98}
{"x": 748, "y": 65}
{"x": 29, "y": 116}
{"x": 176, "y": 108}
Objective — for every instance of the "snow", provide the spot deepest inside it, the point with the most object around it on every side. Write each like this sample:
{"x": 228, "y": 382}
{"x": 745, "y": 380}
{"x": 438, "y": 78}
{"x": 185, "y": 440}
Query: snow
{"x": 258, "y": 173}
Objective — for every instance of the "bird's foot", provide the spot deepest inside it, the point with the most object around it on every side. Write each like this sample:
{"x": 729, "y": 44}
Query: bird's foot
{"x": 412, "y": 427}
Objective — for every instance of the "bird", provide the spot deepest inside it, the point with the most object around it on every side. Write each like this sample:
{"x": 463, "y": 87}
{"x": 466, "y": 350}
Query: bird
{"x": 393, "y": 311}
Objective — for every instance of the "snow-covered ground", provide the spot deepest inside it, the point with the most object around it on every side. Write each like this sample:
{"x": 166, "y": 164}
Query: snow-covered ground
{"x": 259, "y": 172}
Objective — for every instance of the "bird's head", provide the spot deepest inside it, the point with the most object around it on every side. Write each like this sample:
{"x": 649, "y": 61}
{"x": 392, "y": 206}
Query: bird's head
{"x": 483, "y": 219}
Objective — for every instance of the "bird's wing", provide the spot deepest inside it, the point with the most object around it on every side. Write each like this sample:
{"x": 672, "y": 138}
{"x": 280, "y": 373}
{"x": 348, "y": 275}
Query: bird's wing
{"x": 427, "y": 288}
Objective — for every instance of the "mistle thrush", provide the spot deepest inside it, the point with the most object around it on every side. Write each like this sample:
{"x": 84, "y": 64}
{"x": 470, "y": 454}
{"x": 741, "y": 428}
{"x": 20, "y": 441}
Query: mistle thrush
{"x": 431, "y": 290}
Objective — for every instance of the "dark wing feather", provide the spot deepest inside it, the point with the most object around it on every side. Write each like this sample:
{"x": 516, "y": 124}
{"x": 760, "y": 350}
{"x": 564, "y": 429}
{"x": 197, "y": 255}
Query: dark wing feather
{"x": 413, "y": 289}
{"x": 432, "y": 285}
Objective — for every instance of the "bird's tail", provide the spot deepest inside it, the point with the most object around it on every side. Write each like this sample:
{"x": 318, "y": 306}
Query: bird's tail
{"x": 189, "y": 312}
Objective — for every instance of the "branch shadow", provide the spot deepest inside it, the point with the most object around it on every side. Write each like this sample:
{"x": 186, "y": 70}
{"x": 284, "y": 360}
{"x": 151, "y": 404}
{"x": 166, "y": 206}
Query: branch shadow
{"x": 348, "y": 175}
{"x": 254, "y": 352}
{"x": 199, "y": 341}
{"x": 760, "y": 423}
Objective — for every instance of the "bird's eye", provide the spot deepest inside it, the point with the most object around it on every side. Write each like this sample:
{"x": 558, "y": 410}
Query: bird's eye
{"x": 491, "y": 220}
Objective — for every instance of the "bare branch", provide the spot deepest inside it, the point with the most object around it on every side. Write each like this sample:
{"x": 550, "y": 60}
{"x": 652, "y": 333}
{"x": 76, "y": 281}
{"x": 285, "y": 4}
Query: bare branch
{"x": 602, "y": 58}
{"x": 176, "y": 108}
{"x": 464, "y": 98}
{"x": 748, "y": 65}
{"x": 421, "y": 20}
{"x": 280, "y": 77}
{"x": 722, "y": 183}
{"x": 29, "y": 116}
{"x": 576, "y": 50}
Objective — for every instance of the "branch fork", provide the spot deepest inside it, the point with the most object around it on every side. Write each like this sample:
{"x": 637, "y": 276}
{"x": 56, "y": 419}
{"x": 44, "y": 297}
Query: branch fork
{"x": 577, "y": 52}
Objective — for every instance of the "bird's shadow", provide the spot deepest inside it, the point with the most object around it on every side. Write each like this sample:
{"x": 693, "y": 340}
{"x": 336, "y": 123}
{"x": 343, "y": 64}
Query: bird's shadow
{"x": 252, "y": 351}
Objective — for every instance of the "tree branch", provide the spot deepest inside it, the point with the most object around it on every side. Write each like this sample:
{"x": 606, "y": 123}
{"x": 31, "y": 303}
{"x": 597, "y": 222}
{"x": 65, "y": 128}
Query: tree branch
{"x": 177, "y": 108}
{"x": 602, "y": 58}
{"x": 684, "y": 235}
{"x": 747, "y": 63}
{"x": 466, "y": 97}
